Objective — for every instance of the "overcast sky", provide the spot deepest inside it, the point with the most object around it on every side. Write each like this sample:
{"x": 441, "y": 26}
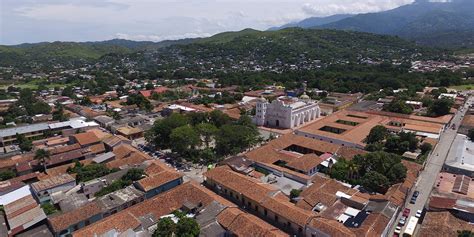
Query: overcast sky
{"x": 92, "y": 20}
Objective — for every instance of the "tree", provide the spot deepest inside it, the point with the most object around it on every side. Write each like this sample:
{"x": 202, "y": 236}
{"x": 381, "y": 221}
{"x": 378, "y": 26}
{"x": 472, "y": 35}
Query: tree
{"x": 184, "y": 138}
{"x": 232, "y": 139}
{"x": 165, "y": 228}
{"x": 218, "y": 118}
{"x": 470, "y": 134}
{"x": 397, "y": 173}
{"x": 159, "y": 134}
{"x": 187, "y": 227}
{"x": 133, "y": 174}
{"x": 377, "y": 134}
{"x": 399, "y": 106}
{"x": 59, "y": 114}
{"x": 440, "y": 107}
{"x": 42, "y": 156}
{"x": 7, "y": 174}
{"x": 24, "y": 144}
{"x": 294, "y": 193}
{"x": 465, "y": 233}
{"x": 425, "y": 148}
{"x": 149, "y": 86}
{"x": 375, "y": 181}
{"x": 207, "y": 131}
{"x": 69, "y": 92}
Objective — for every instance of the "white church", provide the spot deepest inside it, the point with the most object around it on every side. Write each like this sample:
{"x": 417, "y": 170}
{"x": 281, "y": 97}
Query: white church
{"x": 286, "y": 112}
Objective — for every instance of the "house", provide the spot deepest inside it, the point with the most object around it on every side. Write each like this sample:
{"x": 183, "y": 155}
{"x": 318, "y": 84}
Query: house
{"x": 104, "y": 120}
{"x": 85, "y": 139}
{"x": 45, "y": 188}
{"x": 23, "y": 214}
{"x": 130, "y": 133}
{"x": 160, "y": 178}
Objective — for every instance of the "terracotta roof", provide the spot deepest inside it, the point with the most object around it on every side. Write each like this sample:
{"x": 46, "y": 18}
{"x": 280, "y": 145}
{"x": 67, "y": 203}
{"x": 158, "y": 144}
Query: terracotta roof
{"x": 158, "y": 180}
{"x": 244, "y": 224}
{"x": 331, "y": 227}
{"x": 289, "y": 211}
{"x": 64, "y": 220}
{"x": 442, "y": 224}
{"x": 442, "y": 203}
{"x": 123, "y": 150}
{"x": 52, "y": 182}
{"x": 86, "y": 138}
{"x": 51, "y": 172}
{"x": 132, "y": 160}
{"x": 305, "y": 163}
{"x": 323, "y": 190}
{"x": 247, "y": 186}
{"x": 159, "y": 90}
{"x": 120, "y": 222}
{"x": 62, "y": 149}
{"x": 157, "y": 206}
{"x": 348, "y": 153}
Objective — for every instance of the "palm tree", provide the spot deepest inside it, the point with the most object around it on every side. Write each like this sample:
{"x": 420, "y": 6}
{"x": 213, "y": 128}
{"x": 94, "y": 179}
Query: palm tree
{"x": 353, "y": 170}
{"x": 42, "y": 156}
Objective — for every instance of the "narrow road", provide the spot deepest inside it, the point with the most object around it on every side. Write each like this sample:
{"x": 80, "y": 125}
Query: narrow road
{"x": 427, "y": 177}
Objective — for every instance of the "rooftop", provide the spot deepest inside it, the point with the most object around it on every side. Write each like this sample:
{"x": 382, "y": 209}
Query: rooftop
{"x": 52, "y": 182}
{"x": 86, "y": 138}
{"x": 461, "y": 155}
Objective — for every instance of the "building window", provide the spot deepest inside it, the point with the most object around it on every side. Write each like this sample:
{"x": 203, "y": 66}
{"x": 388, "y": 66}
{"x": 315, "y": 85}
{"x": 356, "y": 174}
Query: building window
{"x": 265, "y": 212}
{"x": 276, "y": 218}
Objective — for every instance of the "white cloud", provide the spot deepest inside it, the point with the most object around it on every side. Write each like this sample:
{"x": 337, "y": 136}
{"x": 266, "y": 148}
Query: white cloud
{"x": 49, "y": 20}
{"x": 328, "y": 7}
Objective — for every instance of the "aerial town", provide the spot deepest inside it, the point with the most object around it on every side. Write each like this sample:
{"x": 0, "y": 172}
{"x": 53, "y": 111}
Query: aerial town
{"x": 326, "y": 118}
{"x": 267, "y": 162}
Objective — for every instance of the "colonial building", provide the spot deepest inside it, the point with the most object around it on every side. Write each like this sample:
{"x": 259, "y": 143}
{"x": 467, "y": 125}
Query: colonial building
{"x": 286, "y": 112}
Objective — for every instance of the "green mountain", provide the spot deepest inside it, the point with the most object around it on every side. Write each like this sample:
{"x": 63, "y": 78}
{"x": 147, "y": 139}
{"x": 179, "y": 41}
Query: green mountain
{"x": 290, "y": 46}
{"x": 287, "y": 46}
{"x": 426, "y": 22}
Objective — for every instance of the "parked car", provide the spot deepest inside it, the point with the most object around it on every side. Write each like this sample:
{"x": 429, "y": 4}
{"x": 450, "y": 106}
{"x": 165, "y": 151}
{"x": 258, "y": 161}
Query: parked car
{"x": 406, "y": 212}
{"x": 413, "y": 200}
{"x": 398, "y": 229}
{"x": 418, "y": 213}
{"x": 416, "y": 193}
{"x": 402, "y": 221}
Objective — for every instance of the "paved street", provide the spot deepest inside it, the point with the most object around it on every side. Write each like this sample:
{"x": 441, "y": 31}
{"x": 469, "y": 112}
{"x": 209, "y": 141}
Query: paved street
{"x": 435, "y": 162}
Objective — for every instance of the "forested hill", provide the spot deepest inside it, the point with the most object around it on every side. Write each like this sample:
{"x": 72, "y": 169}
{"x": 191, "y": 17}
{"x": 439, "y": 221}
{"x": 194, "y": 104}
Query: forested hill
{"x": 287, "y": 46}
{"x": 293, "y": 45}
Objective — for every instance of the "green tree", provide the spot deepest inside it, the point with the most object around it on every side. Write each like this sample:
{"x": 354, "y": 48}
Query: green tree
{"x": 69, "y": 92}
{"x": 425, "y": 148}
{"x": 377, "y": 134}
{"x": 375, "y": 181}
{"x": 187, "y": 227}
{"x": 232, "y": 139}
{"x": 59, "y": 114}
{"x": 165, "y": 228}
{"x": 207, "y": 131}
{"x": 397, "y": 173}
{"x": 23, "y": 143}
{"x": 399, "y": 106}
{"x": 133, "y": 174}
{"x": 7, "y": 174}
{"x": 294, "y": 193}
{"x": 149, "y": 86}
{"x": 465, "y": 233}
{"x": 42, "y": 156}
{"x": 184, "y": 138}
{"x": 218, "y": 118}
{"x": 159, "y": 134}
{"x": 440, "y": 107}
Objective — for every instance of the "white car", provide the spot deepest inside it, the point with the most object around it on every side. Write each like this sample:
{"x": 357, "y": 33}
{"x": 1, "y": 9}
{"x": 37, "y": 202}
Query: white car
{"x": 418, "y": 214}
{"x": 398, "y": 230}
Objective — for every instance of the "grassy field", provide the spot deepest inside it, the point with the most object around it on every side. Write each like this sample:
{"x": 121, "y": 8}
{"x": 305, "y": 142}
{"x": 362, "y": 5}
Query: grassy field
{"x": 463, "y": 87}
{"x": 31, "y": 84}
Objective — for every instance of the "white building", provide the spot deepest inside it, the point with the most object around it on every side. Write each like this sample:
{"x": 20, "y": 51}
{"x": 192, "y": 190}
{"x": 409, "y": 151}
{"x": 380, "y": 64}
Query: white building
{"x": 286, "y": 112}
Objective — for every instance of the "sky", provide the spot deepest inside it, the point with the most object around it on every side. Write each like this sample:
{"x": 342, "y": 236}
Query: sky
{"x": 30, "y": 21}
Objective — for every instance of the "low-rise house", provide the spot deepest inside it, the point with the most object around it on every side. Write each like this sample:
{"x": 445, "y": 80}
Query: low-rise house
{"x": 159, "y": 179}
{"x": 104, "y": 121}
{"x": 23, "y": 214}
{"x": 45, "y": 188}
{"x": 130, "y": 133}
{"x": 85, "y": 139}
